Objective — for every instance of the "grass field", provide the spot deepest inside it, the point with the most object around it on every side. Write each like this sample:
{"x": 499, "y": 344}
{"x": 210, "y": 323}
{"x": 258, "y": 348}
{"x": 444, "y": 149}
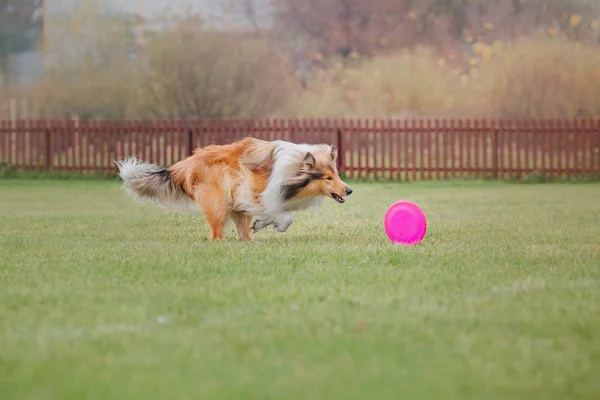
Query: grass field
{"x": 102, "y": 299}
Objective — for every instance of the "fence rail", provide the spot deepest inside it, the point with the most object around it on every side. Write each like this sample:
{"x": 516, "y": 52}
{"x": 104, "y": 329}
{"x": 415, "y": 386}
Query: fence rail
{"x": 394, "y": 149}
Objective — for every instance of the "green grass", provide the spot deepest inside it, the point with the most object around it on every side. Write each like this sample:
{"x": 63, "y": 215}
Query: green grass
{"x": 103, "y": 299}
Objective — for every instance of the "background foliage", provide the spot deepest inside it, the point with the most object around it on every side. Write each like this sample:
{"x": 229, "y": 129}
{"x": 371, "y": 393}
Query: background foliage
{"x": 501, "y": 58}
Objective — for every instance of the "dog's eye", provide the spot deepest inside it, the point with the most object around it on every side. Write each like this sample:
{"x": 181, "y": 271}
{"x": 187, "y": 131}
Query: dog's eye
{"x": 329, "y": 178}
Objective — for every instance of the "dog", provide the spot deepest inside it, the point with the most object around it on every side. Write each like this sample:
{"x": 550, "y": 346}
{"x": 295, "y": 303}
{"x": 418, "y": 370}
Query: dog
{"x": 245, "y": 180}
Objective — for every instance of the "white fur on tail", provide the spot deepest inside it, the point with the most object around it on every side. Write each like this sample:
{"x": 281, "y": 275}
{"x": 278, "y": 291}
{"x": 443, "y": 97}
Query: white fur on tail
{"x": 151, "y": 182}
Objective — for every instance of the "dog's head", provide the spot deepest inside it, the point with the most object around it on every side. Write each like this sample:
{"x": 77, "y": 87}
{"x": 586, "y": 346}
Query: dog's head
{"x": 317, "y": 175}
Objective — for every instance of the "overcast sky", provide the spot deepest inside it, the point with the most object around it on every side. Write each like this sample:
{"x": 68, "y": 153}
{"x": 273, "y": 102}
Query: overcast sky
{"x": 214, "y": 11}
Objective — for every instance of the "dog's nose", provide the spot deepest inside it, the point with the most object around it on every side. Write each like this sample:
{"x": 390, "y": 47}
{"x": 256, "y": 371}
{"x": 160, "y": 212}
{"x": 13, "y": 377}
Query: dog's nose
{"x": 348, "y": 190}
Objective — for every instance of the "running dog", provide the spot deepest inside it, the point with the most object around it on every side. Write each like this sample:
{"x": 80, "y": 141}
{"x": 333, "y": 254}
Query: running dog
{"x": 247, "y": 179}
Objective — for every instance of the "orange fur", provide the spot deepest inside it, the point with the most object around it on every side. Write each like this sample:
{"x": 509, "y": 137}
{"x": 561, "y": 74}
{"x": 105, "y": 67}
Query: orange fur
{"x": 202, "y": 176}
{"x": 240, "y": 180}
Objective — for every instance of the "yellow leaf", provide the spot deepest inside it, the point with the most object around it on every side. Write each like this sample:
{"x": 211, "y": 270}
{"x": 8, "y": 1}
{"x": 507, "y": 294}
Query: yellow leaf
{"x": 488, "y": 25}
{"x": 575, "y": 20}
{"x": 487, "y": 53}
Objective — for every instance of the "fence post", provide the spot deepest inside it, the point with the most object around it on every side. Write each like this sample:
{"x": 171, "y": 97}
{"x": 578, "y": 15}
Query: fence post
{"x": 190, "y": 141}
{"x": 341, "y": 150}
{"x": 495, "y": 154}
{"x": 47, "y": 150}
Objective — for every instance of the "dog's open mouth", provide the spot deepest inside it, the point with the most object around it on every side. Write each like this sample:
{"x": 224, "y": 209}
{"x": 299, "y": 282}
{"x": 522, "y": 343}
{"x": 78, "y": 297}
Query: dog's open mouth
{"x": 337, "y": 198}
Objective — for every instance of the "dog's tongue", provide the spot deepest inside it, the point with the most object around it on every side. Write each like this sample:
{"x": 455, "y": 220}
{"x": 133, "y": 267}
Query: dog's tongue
{"x": 339, "y": 199}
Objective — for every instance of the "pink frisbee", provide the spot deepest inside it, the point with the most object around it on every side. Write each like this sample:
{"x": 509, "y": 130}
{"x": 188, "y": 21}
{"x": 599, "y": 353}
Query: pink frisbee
{"x": 405, "y": 223}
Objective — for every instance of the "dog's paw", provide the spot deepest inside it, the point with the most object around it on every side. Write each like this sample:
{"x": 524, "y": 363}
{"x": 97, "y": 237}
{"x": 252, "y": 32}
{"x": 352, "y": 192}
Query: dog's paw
{"x": 283, "y": 221}
{"x": 258, "y": 225}
{"x": 280, "y": 227}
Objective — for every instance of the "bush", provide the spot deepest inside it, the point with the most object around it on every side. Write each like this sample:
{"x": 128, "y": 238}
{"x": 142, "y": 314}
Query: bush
{"x": 101, "y": 94}
{"x": 181, "y": 71}
{"x": 537, "y": 77}
{"x": 409, "y": 83}
{"x": 199, "y": 73}
{"x": 91, "y": 66}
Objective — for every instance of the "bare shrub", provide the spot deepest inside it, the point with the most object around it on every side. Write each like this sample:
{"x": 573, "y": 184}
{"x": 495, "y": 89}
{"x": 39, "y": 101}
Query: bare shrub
{"x": 199, "y": 73}
{"x": 184, "y": 70}
{"x": 91, "y": 67}
{"x": 537, "y": 77}
{"x": 413, "y": 82}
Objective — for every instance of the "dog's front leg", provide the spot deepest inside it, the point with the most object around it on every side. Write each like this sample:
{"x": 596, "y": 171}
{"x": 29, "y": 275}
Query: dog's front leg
{"x": 260, "y": 223}
{"x": 283, "y": 221}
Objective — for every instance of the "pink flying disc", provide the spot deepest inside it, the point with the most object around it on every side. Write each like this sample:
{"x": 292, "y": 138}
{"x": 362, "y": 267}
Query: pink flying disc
{"x": 405, "y": 223}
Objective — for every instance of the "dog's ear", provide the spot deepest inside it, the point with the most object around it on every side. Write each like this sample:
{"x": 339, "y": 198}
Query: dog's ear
{"x": 308, "y": 163}
{"x": 334, "y": 152}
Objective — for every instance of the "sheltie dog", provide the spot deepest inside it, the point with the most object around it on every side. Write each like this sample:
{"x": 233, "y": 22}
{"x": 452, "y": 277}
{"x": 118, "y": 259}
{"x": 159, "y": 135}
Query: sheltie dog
{"x": 247, "y": 179}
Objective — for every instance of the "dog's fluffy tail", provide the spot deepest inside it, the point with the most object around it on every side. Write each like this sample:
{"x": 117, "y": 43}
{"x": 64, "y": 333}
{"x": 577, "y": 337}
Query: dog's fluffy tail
{"x": 151, "y": 182}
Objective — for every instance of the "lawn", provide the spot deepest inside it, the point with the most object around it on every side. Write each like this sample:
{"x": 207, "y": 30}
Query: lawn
{"x": 103, "y": 299}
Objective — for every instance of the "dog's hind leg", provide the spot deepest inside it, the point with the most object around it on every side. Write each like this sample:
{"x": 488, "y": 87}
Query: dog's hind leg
{"x": 214, "y": 205}
{"x": 242, "y": 225}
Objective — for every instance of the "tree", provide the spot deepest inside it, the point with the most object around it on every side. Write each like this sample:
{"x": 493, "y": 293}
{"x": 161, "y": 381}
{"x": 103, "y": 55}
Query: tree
{"x": 20, "y": 25}
{"x": 93, "y": 35}
{"x": 195, "y": 72}
{"x": 93, "y": 49}
{"x": 567, "y": 16}
{"x": 455, "y": 11}
{"x": 24, "y": 15}
{"x": 340, "y": 27}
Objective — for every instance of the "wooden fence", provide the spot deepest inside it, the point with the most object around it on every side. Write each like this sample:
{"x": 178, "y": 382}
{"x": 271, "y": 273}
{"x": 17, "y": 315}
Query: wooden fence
{"x": 393, "y": 149}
